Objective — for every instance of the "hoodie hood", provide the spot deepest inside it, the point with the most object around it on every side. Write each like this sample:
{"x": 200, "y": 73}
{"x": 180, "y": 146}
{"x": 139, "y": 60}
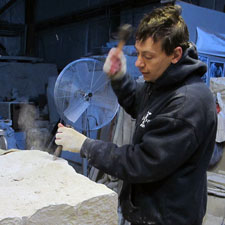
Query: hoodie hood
{"x": 189, "y": 65}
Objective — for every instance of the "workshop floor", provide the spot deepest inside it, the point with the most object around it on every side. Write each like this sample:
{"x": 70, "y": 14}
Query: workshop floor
{"x": 216, "y": 206}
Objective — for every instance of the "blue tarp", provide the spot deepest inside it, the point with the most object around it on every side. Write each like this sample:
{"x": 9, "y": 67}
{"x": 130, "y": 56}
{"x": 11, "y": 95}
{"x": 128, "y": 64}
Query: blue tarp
{"x": 210, "y": 43}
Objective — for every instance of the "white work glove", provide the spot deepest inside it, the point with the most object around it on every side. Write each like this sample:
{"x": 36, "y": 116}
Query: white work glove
{"x": 115, "y": 65}
{"x": 70, "y": 139}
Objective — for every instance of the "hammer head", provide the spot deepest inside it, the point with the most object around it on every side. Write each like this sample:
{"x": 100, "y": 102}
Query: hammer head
{"x": 125, "y": 32}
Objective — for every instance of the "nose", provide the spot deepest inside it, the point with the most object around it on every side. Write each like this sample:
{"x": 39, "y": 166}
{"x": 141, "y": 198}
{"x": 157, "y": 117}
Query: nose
{"x": 139, "y": 62}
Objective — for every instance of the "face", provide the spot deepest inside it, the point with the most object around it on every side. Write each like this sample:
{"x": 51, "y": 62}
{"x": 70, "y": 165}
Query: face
{"x": 151, "y": 60}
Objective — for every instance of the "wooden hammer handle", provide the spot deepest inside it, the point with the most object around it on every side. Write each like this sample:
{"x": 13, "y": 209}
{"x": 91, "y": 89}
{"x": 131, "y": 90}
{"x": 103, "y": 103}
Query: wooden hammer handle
{"x": 57, "y": 152}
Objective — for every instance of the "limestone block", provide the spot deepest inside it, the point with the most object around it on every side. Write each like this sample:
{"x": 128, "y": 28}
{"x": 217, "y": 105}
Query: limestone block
{"x": 35, "y": 190}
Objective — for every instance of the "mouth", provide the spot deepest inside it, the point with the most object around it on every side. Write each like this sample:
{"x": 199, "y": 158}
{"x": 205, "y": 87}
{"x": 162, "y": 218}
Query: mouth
{"x": 146, "y": 76}
{"x": 144, "y": 73}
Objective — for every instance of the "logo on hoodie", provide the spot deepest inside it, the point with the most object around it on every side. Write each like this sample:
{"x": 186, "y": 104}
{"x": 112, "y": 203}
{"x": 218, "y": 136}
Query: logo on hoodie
{"x": 145, "y": 119}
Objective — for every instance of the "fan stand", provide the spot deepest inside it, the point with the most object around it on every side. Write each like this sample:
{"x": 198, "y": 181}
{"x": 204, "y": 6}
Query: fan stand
{"x": 84, "y": 98}
{"x": 85, "y": 132}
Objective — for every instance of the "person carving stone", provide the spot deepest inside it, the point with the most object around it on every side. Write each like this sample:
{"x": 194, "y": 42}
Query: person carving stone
{"x": 164, "y": 169}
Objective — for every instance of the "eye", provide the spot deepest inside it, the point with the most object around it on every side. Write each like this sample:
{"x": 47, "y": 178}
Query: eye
{"x": 148, "y": 57}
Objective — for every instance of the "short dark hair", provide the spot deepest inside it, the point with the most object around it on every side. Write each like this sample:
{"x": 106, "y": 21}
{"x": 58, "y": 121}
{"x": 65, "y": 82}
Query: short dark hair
{"x": 165, "y": 24}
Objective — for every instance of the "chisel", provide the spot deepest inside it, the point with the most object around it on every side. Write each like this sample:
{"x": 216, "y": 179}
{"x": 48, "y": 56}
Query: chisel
{"x": 57, "y": 152}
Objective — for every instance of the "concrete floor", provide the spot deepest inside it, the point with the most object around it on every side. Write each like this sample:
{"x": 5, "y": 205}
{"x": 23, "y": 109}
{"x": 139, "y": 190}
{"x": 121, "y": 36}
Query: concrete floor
{"x": 216, "y": 206}
{"x": 220, "y": 165}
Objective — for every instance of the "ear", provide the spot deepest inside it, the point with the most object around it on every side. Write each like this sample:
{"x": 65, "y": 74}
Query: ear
{"x": 177, "y": 54}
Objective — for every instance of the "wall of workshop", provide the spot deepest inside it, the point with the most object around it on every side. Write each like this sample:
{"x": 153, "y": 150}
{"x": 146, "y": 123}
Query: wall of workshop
{"x": 56, "y": 8}
{"x": 28, "y": 79}
{"x": 133, "y": 16}
{"x": 64, "y": 44}
{"x": 15, "y": 15}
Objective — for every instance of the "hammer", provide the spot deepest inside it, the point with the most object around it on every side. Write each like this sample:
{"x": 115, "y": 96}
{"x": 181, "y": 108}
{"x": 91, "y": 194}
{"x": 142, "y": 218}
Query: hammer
{"x": 124, "y": 34}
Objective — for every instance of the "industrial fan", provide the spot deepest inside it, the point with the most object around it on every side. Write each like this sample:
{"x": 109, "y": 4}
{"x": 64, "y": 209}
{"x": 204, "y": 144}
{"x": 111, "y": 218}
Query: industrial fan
{"x": 83, "y": 95}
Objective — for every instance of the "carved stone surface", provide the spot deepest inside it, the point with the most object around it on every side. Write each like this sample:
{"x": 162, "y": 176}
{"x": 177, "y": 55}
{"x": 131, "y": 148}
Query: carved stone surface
{"x": 35, "y": 190}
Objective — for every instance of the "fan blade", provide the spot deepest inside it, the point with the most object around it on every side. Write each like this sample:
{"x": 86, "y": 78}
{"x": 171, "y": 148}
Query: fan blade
{"x": 75, "y": 110}
{"x": 103, "y": 102}
{"x": 84, "y": 76}
{"x": 100, "y": 80}
{"x": 101, "y": 87}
